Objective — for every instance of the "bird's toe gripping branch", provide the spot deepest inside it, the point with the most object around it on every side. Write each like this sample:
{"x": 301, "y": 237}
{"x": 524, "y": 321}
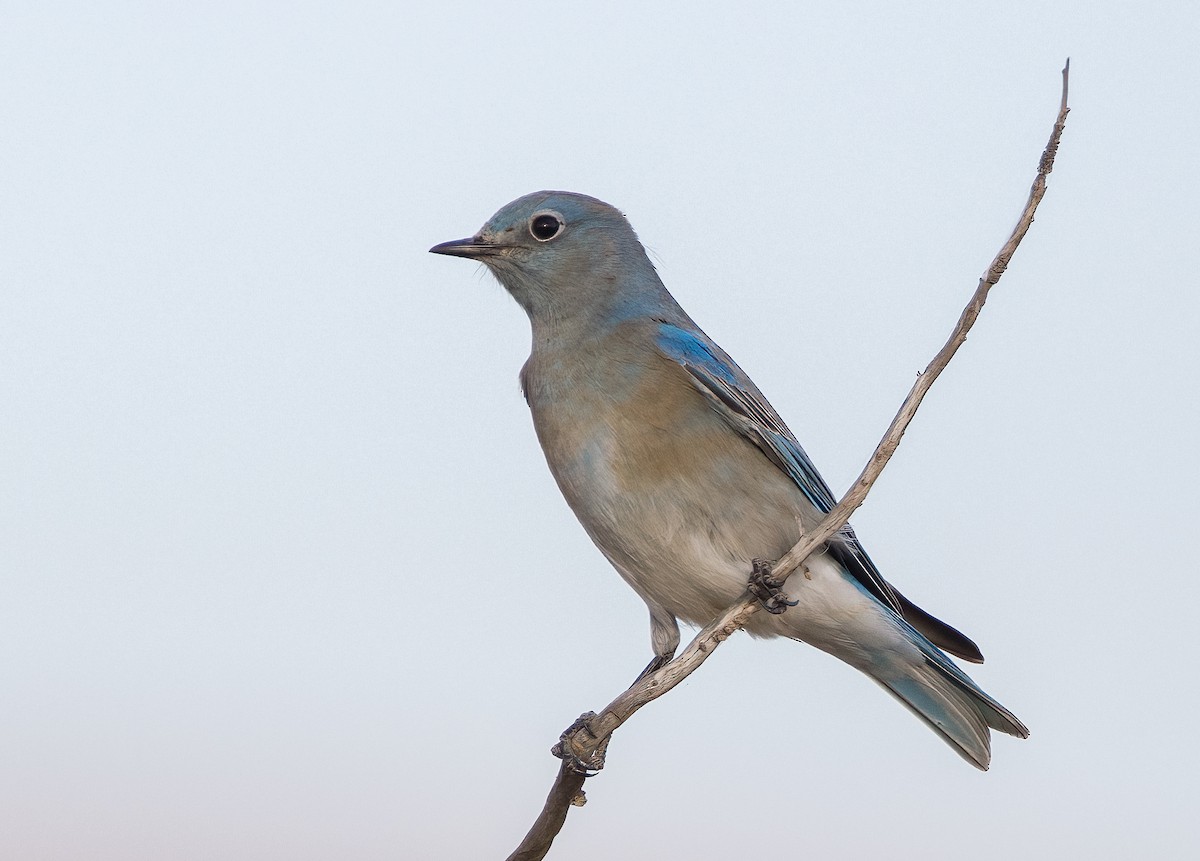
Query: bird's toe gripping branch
{"x": 767, "y": 589}
{"x": 579, "y": 747}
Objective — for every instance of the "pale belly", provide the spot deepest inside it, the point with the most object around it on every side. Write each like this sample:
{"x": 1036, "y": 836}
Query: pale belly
{"x": 686, "y": 544}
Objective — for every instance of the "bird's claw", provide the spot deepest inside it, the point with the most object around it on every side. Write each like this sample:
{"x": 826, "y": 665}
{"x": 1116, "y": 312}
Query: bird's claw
{"x": 767, "y": 589}
{"x": 588, "y": 766}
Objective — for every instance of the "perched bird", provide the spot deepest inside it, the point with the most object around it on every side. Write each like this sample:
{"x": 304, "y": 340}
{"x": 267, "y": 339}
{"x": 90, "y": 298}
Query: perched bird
{"x": 684, "y": 475}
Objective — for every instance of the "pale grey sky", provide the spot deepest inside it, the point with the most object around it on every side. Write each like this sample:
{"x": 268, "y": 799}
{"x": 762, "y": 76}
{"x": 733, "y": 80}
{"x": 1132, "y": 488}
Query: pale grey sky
{"x": 250, "y": 430}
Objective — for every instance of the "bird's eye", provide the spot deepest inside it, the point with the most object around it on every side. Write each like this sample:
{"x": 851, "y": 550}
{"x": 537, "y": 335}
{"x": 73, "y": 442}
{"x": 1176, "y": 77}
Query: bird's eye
{"x": 544, "y": 226}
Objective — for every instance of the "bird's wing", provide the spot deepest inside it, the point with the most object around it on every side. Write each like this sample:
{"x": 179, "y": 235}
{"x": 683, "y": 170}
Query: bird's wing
{"x": 736, "y": 400}
{"x": 740, "y": 404}
{"x": 743, "y": 408}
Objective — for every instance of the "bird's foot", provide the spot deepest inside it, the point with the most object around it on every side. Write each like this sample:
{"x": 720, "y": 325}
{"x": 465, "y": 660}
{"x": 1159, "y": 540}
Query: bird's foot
{"x": 767, "y": 589}
{"x": 583, "y": 756}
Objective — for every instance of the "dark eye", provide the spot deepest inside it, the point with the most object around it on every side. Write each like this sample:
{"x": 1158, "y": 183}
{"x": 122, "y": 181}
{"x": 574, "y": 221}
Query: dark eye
{"x": 545, "y": 226}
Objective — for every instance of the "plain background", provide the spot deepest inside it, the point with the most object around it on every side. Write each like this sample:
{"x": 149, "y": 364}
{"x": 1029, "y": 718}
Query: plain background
{"x": 282, "y": 572}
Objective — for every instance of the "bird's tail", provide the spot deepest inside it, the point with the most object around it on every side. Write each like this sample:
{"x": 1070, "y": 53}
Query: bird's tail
{"x": 945, "y": 698}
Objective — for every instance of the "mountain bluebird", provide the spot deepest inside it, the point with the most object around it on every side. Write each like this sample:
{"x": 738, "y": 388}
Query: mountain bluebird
{"x": 684, "y": 475}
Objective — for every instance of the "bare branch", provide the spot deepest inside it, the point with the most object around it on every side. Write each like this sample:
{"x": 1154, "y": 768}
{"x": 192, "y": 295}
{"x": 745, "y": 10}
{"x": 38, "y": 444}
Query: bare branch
{"x": 583, "y": 745}
{"x": 891, "y": 439}
{"x": 566, "y": 791}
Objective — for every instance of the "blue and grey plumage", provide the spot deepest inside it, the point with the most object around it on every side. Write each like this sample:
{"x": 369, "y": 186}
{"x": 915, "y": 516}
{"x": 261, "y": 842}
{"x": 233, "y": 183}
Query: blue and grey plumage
{"x": 682, "y": 473}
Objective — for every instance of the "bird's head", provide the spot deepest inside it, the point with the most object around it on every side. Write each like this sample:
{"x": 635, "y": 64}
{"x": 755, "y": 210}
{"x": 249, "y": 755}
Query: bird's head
{"x": 564, "y": 255}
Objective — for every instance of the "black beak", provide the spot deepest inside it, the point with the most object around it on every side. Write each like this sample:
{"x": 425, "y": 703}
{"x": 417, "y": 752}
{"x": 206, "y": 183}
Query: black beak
{"x": 472, "y": 248}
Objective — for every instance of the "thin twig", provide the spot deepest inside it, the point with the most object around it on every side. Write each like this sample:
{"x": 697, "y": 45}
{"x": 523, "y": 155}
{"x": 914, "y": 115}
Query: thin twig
{"x": 854, "y": 497}
{"x": 584, "y": 745}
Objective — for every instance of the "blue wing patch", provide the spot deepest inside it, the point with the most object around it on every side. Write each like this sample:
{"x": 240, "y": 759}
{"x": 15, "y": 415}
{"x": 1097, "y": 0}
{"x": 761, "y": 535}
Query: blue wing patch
{"x": 723, "y": 383}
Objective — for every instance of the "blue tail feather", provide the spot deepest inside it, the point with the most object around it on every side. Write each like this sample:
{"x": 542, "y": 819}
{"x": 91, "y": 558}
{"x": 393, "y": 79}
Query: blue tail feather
{"x": 948, "y": 701}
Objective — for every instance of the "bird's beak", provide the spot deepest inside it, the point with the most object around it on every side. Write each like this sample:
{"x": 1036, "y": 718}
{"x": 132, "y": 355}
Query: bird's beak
{"x": 473, "y": 248}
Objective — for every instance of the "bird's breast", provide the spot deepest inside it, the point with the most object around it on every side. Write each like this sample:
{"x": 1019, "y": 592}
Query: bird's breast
{"x": 668, "y": 491}
{"x": 621, "y": 430}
